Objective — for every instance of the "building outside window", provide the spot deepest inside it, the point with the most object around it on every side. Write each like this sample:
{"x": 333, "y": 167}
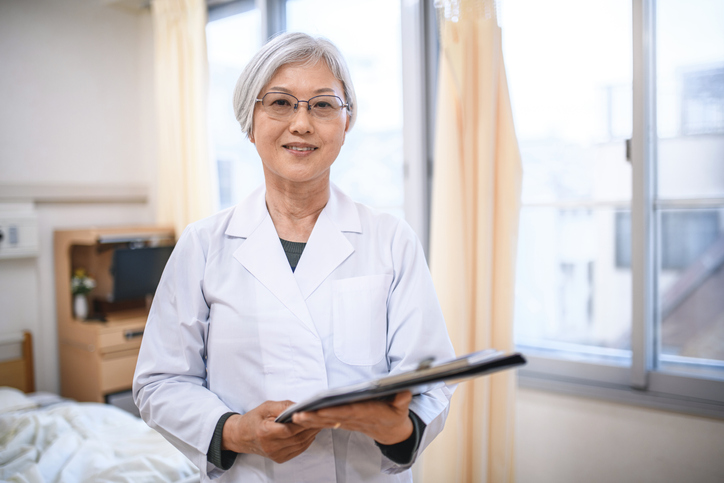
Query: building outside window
{"x": 591, "y": 308}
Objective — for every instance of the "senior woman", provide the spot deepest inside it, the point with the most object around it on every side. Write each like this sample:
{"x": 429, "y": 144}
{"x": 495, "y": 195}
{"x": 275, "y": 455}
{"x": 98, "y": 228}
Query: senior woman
{"x": 242, "y": 325}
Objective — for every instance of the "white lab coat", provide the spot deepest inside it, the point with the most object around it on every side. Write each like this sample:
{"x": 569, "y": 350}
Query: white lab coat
{"x": 232, "y": 326}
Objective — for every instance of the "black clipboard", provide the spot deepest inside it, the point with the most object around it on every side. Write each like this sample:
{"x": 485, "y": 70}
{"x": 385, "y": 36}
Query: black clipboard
{"x": 417, "y": 381}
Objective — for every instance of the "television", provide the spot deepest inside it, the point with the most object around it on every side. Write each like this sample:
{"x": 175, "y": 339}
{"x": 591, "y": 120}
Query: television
{"x": 137, "y": 271}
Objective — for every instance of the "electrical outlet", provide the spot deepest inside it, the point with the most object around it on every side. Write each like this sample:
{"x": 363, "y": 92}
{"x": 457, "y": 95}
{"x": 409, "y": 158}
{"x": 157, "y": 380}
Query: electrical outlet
{"x": 18, "y": 234}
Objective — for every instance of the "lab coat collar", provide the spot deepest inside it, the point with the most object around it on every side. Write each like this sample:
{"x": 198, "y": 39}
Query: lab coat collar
{"x": 248, "y": 214}
{"x": 327, "y": 246}
{"x": 263, "y": 256}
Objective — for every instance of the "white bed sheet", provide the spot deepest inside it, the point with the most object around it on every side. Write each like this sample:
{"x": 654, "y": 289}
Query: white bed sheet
{"x": 70, "y": 442}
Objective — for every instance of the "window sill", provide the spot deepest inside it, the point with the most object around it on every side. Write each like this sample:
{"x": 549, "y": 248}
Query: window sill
{"x": 623, "y": 394}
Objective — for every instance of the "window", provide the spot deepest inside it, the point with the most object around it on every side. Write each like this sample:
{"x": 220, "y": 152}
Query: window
{"x": 233, "y": 35}
{"x": 688, "y": 197}
{"x": 619, "y": 111}
{"x": 569, "y": 102}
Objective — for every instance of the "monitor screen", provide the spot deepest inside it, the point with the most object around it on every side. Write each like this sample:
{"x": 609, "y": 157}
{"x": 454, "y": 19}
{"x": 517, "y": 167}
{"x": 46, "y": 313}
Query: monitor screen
{"x": 137, "y": 271}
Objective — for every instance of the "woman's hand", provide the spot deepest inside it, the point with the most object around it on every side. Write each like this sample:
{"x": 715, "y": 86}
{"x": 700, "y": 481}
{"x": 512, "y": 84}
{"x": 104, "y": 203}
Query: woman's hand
{"x": 387, "y": 422}
{"x": 256, "y": 433}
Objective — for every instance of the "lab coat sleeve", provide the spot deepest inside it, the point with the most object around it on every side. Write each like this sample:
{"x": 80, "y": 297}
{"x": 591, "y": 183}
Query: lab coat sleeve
{"x": 416, "y": 330}
{"x": 169, "y": 386}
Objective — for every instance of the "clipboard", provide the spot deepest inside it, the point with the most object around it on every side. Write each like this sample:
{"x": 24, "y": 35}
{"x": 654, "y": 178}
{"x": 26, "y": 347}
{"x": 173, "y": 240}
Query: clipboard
{"x": 425, "y": 377}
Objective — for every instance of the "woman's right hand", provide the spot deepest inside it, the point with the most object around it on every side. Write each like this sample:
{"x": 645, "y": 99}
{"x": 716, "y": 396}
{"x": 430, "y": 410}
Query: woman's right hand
{"x": 256, "y": 433}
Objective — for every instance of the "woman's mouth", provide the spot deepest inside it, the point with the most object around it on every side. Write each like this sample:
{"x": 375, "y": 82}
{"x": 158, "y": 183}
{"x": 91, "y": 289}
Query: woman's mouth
{"x": 299, "y": 148}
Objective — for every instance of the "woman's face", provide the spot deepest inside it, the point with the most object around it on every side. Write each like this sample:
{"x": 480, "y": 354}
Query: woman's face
{"x": 303, "y": 148}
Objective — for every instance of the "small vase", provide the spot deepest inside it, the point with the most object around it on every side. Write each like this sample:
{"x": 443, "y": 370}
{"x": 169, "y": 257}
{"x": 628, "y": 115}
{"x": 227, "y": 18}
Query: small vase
{"x": 80, "y": 306}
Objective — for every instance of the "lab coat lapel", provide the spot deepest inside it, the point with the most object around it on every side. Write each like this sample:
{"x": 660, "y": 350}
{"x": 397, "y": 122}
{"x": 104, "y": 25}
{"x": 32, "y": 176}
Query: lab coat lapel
{"x": 327, "y": 246}
{"x": 263, "y": 256}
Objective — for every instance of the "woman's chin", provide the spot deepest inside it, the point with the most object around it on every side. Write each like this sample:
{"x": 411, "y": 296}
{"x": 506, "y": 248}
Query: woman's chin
{"x": 299, "y": 178}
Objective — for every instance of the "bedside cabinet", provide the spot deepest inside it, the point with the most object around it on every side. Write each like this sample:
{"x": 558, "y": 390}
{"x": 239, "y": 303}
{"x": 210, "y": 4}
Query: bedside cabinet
{"x": 98, "y": 355}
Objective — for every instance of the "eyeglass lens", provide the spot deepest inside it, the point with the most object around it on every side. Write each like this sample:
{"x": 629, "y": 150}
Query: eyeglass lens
{"x": 282, "y": 106}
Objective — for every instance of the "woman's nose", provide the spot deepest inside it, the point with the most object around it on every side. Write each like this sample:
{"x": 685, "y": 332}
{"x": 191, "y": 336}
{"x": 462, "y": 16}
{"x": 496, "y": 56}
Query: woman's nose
{"x": 302, "y": 120}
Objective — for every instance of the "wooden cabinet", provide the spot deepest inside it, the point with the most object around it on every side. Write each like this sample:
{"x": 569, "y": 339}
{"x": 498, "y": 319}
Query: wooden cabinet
{"x": 98, "y": 355}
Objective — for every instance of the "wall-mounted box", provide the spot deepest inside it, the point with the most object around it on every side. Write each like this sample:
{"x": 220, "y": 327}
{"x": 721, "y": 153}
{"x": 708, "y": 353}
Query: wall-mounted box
{"x": 18, "y": 231}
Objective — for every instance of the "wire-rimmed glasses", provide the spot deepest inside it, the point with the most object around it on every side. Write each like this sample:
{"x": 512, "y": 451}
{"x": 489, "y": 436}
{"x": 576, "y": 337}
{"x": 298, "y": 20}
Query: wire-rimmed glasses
{"x": 282, "y": 106}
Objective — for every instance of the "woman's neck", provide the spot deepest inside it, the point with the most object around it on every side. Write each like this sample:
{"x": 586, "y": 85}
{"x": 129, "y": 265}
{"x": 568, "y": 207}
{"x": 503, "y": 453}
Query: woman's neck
{"x": 294, "y": 208}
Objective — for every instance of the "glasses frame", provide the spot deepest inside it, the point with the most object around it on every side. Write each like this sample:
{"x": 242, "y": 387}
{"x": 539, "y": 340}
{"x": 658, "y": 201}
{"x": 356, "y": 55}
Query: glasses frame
{"x": 296, "y": 105}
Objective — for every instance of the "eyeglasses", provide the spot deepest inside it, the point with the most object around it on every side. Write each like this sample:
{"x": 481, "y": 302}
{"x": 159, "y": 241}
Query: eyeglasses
{"x": 282, "y": 107}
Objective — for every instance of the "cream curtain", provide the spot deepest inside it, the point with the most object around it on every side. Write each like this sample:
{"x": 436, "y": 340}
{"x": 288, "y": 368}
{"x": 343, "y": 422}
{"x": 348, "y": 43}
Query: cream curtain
{"x": 475, "y": 207}
{"x": 181, "y": 71}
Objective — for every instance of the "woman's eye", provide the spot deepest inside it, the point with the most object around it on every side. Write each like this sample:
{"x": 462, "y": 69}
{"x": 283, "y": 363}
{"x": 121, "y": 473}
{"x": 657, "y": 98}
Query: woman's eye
{"x": 280, "y": 102}
{"x": 323, "y": 105}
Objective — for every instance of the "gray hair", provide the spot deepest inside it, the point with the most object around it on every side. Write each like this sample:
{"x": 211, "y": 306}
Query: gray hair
{"x": 288, "y": 48}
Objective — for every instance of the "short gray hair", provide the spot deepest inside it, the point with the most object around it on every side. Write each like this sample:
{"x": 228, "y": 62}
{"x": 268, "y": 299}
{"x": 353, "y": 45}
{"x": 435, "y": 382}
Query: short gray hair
{"x": 288, "y": 48}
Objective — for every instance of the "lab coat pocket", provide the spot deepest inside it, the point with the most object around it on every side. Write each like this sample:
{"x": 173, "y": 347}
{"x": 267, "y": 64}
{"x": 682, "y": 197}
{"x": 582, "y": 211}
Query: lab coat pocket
{"x": 359, "y": 314}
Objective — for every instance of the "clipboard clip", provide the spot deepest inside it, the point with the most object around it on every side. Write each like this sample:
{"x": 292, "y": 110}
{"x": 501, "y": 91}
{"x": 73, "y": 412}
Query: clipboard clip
{"x": 425, "y": 363}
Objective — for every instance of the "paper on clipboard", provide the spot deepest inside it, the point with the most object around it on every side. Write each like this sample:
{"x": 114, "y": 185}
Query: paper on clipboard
{"x": 417, "y": 381}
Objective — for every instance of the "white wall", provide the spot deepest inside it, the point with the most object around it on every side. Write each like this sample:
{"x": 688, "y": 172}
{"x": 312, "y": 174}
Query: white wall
{"x": 566, "y": 439}
{"x": 76, "y": 92}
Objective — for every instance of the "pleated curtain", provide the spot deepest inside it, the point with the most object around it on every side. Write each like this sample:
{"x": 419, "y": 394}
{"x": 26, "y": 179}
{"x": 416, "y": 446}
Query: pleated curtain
{"x": 181, "y": 77}
{"x": 473, "y": 240}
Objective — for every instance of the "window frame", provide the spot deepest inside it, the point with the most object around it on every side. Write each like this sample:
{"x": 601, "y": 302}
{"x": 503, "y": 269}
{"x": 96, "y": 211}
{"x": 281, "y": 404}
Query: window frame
{"x": 640, "y": 383}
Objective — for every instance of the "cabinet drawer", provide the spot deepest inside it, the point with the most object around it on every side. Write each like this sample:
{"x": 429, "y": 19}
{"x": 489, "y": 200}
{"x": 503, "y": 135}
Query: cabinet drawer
{"x": 116, "y": 372}
{"x": 120, "y": 340}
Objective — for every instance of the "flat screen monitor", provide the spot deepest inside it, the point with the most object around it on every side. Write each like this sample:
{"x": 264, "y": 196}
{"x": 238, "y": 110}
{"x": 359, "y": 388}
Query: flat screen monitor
{"x": 137, "y": 271}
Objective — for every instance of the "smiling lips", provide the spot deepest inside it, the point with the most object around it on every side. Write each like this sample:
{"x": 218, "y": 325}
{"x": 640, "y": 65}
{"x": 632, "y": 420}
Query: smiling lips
{"x": 299, "y": 147}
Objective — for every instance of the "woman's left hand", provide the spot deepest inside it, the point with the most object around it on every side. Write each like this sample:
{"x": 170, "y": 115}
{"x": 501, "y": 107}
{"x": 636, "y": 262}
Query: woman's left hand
{"x": 387, "y": 422}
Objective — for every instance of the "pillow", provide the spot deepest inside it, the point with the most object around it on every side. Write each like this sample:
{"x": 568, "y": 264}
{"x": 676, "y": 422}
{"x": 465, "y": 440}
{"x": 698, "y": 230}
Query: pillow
{"x": 12, "y": 399}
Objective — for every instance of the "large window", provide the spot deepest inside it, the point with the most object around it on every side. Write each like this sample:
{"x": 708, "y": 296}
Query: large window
{"x": 619, "y": 111}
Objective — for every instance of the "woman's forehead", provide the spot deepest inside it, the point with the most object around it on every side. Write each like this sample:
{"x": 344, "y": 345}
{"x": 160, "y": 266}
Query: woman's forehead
{"x": 314, "y": 78}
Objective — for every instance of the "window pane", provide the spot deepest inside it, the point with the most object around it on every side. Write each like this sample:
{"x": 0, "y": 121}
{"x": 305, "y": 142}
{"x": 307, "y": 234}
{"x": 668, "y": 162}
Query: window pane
{"x": 690, "y": 104}
{"x": 574, "y": 282}
{"x": 690, "y": 289}
{"x": 570, "y": 77}
{"x": 370, "y": 166}
{"x": 231, "y": 42}
{"x": 690, "y": 188}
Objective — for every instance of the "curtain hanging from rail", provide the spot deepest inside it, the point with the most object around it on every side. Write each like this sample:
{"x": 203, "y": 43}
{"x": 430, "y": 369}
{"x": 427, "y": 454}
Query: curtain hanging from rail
{"x": 181, "y": 71}
{"x": 473, "y": 241}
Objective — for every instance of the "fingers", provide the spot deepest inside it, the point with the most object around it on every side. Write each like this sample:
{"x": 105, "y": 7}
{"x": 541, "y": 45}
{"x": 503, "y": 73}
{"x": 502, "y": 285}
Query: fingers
{"x": 385, "y": 421}
{"x": 256, "y": 432}
{"x": 272, "y": 409}
{"x": 290, "y": 452}
{"x": 315, "y": 420}
{"x": 362, "y": 410}
{"x": 402, "y": 400}
{"x": 286, "y": 449}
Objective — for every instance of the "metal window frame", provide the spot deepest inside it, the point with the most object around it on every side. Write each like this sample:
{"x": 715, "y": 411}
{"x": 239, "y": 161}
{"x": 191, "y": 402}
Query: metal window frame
{"x": 641, "y": 384}
{"x": 273, "y": 17}
{"x": 419, "y": 73}
{"x": 227, "y": 8}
